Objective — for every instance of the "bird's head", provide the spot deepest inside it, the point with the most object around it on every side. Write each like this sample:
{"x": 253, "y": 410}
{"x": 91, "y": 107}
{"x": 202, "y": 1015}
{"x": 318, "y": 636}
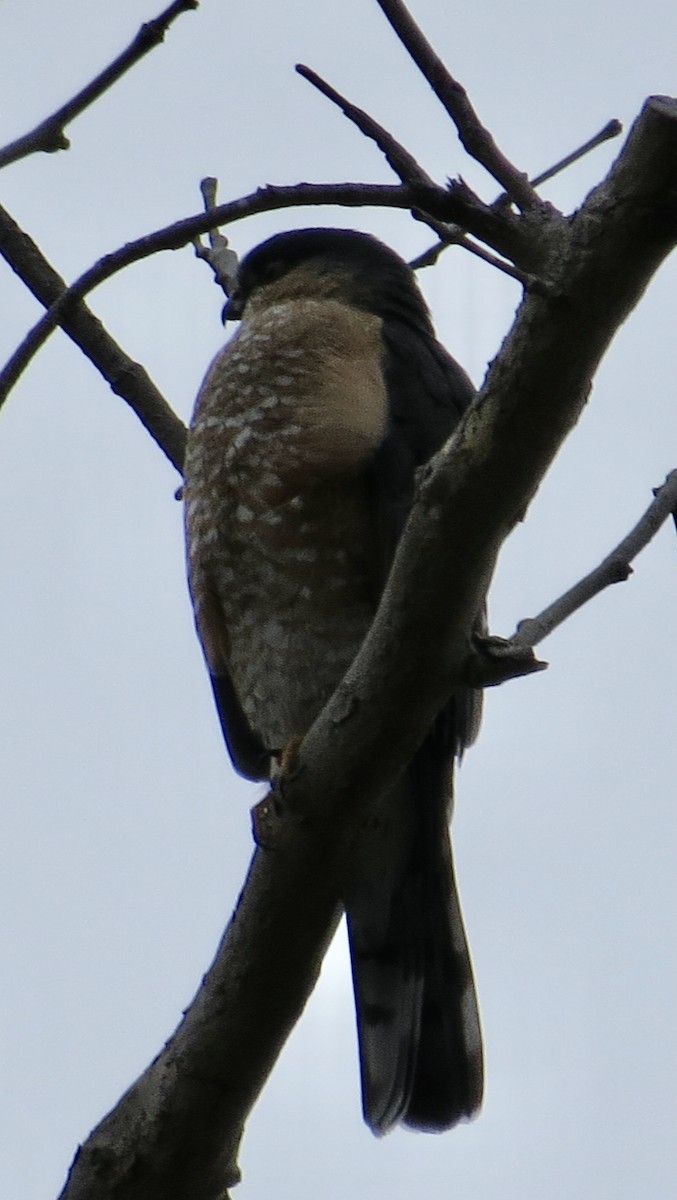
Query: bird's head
{"x": 340, "y": 264}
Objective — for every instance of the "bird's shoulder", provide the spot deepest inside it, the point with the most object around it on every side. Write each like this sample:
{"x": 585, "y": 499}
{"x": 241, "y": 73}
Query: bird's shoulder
{"x": 427, "y": 393}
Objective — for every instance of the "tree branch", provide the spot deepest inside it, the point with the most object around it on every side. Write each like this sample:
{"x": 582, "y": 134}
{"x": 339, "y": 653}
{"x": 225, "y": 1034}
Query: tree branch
{"x": 127, "y": 378}
{"x": 475, "y": 138}
{"x": 194, "y": 1095}
{"x": 192, "y": 1102}
{"x": 439, "y": 201}
{"x": 615, "y": 568}
{"x": 612, "y": 129}
{"x": 410, "y": 171}
{"x": 217, "y": 253}
{"x": 454, "y": 235}
{"x": 400, "y": 160}
{"x": 49, "y": 135}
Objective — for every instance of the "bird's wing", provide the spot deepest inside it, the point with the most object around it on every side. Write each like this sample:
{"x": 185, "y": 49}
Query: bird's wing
{"x": 428, "y": 393}
{"x": 249, "y": 756}
{"x": 417, "y": 1016}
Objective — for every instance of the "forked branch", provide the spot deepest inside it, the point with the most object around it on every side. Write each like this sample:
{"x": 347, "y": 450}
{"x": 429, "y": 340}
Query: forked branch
{"x": 475, "y": 138}
{"x": 409, "y": 171}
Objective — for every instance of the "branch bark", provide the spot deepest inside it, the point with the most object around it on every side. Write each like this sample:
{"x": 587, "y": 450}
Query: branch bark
{"x": 408, "y": 171}
{"x": 127, "y": 378}
{"x": 615, "y": 568}
{"x": 183, "y": 1118}
{"x": 475, "y": 138}
{"x": 49, "y": 135}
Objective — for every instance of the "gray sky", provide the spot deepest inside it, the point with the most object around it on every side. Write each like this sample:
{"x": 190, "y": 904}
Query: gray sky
{"x": 124, "y": 835}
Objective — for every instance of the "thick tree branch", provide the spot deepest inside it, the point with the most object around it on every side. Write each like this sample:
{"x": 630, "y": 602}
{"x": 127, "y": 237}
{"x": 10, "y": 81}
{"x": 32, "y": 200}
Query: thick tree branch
{"x": 127, "y": 378}
{"x": 194, "y": 1096}
{"x": 532, "y": 397}
{"x": 49, "y": 135}
{"x": 192, "y": 1102}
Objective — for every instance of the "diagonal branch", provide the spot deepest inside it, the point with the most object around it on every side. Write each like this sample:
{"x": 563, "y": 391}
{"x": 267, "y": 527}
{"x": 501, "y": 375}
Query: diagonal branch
{"x": 454, "y": 235}
{"x": 612, "y": 129}
{"x": 409, "y": 171}
{"x": 475, "y": 138}
{"x": 127, "y": 378}
{"x": 49, "y": 135}
{"x": 499, "y": 659}
{"x": 400, "y": 160}
{"x": 615, "y": 568}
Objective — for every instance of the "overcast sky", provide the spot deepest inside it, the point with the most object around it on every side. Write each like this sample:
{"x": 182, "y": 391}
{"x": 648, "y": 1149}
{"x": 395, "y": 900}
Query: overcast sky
{"x": 124, "y": 835}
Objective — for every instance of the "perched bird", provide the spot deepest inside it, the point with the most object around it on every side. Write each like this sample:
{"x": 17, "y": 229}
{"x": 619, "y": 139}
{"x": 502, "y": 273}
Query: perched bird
{"x": 299, "y": 475}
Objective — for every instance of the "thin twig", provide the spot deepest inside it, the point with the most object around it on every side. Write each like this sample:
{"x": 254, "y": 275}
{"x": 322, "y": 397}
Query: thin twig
{"x": 49, "y": 135}
{"x": 402, "y": 162}
{"x": 409, "y": 171}
{"x": 127, "y": 378}
{"x": 453, "y": 235}
{"x": 217, "y": 254}
{"x": 612, "y": 129}
{"x": 615, "y": 568}
{"x": 475, "y": 138}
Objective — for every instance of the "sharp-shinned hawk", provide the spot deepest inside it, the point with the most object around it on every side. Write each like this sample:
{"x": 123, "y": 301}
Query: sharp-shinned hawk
{"x": 300, "y": 472}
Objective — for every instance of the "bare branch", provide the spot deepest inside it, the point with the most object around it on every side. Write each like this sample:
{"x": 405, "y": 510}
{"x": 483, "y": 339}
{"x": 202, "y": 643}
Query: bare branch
{"x": 612, "y": 129}
{"x": 448, "y": 205}
{"x": 409, "y": 170}
{"x": 194, "y": 1095}
{"x": 475, "y": 138}
{"x": 49, "y": 135}
{"x": 174, "y": 237}
{"x": 127, "y": 378}
{"x": 477, "y": 488}
{"x": 615, "y": 568}
{"x": 402, "y": 162}
{"x": 454, "y": 235}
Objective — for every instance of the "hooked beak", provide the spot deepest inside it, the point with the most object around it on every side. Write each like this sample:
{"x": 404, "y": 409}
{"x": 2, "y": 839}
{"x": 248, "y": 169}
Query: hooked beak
{"x": 233, "y": 308}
